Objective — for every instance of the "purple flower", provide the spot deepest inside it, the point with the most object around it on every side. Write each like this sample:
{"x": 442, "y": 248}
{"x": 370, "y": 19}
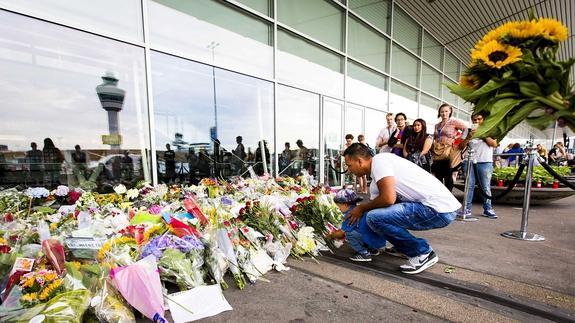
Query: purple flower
{"x": 226, "y": 200}
{"x": 155, "y": 209}
{"x": 157, "y": 245}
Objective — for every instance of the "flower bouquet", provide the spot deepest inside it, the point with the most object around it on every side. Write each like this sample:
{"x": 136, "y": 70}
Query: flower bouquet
{"x": 514, "y": 75}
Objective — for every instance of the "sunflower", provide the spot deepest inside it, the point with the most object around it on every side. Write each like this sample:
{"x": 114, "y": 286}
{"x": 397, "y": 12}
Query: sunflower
{"x": 552, "y": 29}
{"x": 526, "y": 29}
{"x": 494, "y": 54}
{"x": 496, "y": 34}
{"x": 469, "y": 81}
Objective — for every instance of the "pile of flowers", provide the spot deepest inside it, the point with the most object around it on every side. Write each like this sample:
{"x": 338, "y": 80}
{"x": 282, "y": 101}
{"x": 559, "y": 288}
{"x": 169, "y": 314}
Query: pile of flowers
{"x": 514, "y": 75}
{"x": 81, "y": 246}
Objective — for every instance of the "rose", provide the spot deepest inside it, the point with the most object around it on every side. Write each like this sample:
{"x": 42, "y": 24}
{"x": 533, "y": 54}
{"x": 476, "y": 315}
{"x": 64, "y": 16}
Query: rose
{"x": 120, "y": 189}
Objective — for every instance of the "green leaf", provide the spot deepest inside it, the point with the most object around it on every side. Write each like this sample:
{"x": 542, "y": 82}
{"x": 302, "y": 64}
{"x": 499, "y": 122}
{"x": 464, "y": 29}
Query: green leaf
{"x": 531, "y": 89}
{"x": 499, "y": 111}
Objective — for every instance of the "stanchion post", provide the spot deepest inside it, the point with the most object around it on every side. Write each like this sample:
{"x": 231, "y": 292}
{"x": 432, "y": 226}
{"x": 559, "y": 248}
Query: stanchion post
{"x": 463, "y": 216}
{"x": 523, "y": 234}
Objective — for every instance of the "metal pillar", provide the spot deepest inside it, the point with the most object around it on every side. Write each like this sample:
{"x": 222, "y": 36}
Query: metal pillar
{"x": 463, "y": 216}
{"x": 522, "y": 234}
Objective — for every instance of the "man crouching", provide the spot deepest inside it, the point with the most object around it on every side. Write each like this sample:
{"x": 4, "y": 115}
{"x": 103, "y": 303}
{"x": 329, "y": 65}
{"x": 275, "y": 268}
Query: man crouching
{"x": 403, "y": 197}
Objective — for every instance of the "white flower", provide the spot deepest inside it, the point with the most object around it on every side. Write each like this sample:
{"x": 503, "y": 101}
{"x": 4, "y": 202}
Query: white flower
{"x": 61, "y": 190}
{"x": 37, "y": 192}
{"x": 132, "y": 193}
{"x": 120, "y": 189}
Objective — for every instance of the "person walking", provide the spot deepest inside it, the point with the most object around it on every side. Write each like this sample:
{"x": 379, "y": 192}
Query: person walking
{"x": 403, "y": 197}
{"x": 482, "y": 166}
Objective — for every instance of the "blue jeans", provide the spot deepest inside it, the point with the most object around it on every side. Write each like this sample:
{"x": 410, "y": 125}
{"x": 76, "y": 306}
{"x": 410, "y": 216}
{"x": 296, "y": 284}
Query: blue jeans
{"x": 355, "y": 241}
{"x": 485, "y": 170}
{"x": 394, "y": 221}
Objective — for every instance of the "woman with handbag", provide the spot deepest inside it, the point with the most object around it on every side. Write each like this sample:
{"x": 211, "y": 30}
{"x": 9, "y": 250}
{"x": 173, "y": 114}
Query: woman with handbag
{"x": 446, "y": 153}
{"x": 418, "y": 144}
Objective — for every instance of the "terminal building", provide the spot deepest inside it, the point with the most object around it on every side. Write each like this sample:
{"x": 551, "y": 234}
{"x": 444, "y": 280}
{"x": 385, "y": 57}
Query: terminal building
{"x": 122, "y": 80}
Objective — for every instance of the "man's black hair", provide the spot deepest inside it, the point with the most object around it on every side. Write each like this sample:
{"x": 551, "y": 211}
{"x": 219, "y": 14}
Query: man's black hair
{"x": 358, "y": 150}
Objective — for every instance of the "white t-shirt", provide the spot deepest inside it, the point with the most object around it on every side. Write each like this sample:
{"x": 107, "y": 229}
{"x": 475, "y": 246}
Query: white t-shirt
{"x": 384, "y": 134}
{"x": 412, "y": 183}
{"x": 482, "y": 152}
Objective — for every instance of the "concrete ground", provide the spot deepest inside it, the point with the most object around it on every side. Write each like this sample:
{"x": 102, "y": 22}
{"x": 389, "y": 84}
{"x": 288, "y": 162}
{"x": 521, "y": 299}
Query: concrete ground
{"x": 472, "y": 255}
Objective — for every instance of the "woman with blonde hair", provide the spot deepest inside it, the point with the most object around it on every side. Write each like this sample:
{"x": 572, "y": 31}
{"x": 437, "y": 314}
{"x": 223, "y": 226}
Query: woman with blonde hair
{"x": 446, "y": 153}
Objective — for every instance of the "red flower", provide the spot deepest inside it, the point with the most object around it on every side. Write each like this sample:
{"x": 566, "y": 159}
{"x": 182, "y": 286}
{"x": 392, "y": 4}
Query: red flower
{"x": 248, "y": 203}
{"x": 245, "y": 230}
{"x": 4, "y": 249}
{"x": 74, "y": 196}
{"x": 8, "y": 217}
{"x": 227, "y": 223}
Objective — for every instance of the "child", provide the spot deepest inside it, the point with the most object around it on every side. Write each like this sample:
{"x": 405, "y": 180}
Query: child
{"x": 360, "y": 237}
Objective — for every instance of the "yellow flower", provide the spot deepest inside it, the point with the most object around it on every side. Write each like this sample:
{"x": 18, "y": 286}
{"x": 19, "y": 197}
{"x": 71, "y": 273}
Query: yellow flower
{"x": 552, "y": 29}
{"x": 50, "y": 276}
{"x": 29, "y": 298}
{"x": 469, "y": 81}
{"x": 53, "y": 226}
{"x": 526, "y": 29}
{"x": 29, "y": 282}
{"x": 497, "y": 55}
{"x": 49, "y": 290}
{"x": 495, "y": 34}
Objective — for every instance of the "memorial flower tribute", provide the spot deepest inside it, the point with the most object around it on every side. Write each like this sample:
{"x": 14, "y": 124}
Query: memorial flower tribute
{"x": 514, "y": 75}
{"x": 70, "y": 254}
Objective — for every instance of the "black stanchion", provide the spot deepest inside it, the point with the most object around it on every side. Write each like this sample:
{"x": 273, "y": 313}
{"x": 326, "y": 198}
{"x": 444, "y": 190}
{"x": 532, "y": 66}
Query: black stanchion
{"x": 507, "y": 190}
{"x": 558, "y": 177}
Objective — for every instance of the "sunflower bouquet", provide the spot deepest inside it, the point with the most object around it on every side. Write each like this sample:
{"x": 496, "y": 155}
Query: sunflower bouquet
{"x": 514, "y": 75}
{"x": 40, "y": 286}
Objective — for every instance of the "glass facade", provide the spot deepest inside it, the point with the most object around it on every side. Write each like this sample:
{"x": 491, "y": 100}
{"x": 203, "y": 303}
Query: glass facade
{"x": 102, "y": 90}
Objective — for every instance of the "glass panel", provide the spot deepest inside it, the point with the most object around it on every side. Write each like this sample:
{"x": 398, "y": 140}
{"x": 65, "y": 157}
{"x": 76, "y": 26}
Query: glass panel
{"x": 182, "y": 89}
{"x": 354, "y": 126}
{"x": 374, "y": 122}
{"x": 263, "y": 6}
{"x": 212, "y": 32}
{"x": 71, "y": 88}
{"x": 404, "y": 66}
{"x": 368, "y": 46}
{"x": 428, "y": 111}
{"x": 308, "y": 65}
{"x": 405, "y": 30}
{"x": 189, "y": 119}
{"x": 447, "y": 95}
{"x": 332, "y": 137}
{"x": 121, "y": 19}
{"x": 432, "y": 50}
{"x": 366, "y": 86}
{"x": 451, "y": 66}
{"x": 353, "y": 120}
{"x": 320, "y": 19}
{"x": 377, "y": 12}
{"x": 431, "y": 80}
{"x": 403, "y": 99}
{"x": 297, "y": 115}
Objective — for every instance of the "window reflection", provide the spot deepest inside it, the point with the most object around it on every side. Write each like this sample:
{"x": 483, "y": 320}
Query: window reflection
{"x": 242, "y": 41}
{"x": 56, "y": 126}
{"x": 201, "y": 135}
{"x": 332, "y": 137}
{"x": 297, "y": 116}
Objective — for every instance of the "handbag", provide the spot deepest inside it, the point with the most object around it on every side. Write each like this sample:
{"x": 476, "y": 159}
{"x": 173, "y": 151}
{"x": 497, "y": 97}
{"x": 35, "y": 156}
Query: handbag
{"x": 441, "y": 151}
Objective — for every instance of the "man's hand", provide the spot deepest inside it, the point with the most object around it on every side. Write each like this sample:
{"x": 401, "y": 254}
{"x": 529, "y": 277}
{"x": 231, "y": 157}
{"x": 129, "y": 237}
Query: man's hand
{"x": 355, "y": 214}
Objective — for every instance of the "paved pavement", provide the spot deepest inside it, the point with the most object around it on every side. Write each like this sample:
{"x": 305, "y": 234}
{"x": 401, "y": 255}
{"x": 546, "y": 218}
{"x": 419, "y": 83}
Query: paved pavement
{"x": 539, "y": 276}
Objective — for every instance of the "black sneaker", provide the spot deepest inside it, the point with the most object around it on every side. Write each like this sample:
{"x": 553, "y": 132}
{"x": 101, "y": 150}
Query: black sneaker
{"x": 373, "y": 251}
{"x": 361, "y": 257}
{"x": 415, "y": 265}
{"x": 393, "y": 252}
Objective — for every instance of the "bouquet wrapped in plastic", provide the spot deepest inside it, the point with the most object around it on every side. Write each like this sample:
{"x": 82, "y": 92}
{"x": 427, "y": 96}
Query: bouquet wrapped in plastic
{"x": 180, "y": 259}
{"x": 65, "y": 307}
{"x": 215, "y": 260}
{"x": 110, "y": 305}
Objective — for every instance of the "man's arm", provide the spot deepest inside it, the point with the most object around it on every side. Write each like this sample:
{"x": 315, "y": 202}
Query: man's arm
{"x": 385, "y": 198}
